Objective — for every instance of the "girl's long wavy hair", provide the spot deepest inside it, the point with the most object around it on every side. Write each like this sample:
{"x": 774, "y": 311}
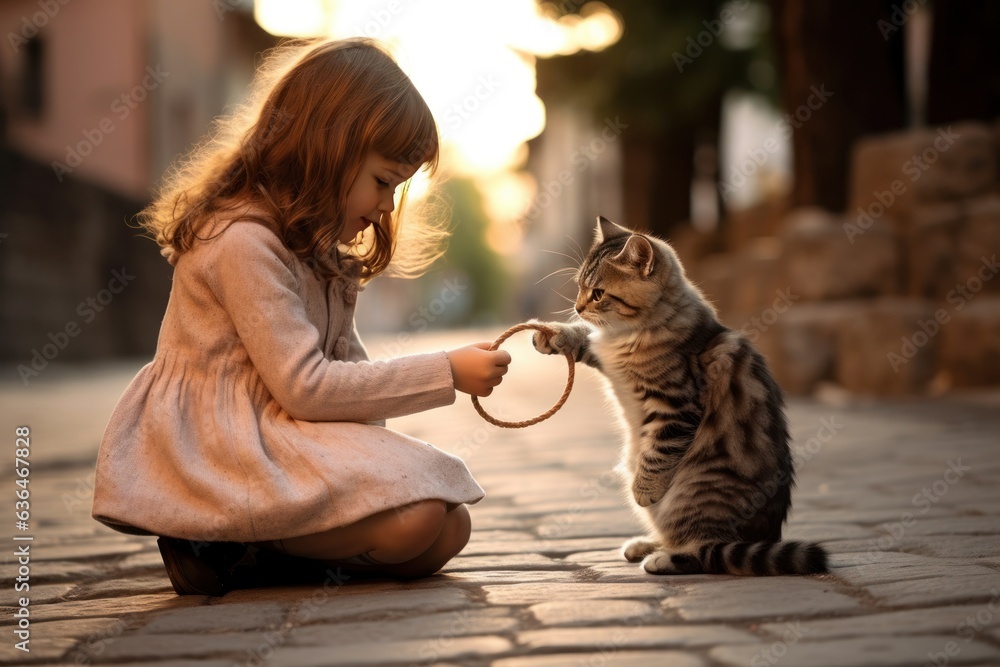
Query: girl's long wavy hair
{"x": 295, "y": 147}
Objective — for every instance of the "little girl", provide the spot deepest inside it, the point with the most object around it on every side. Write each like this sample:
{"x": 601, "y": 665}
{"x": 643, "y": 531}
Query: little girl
{"x": 254, "y": 443}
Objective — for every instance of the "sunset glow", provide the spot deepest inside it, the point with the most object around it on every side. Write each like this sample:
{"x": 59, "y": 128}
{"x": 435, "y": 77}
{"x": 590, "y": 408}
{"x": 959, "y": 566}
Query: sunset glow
{"x": 473, "y": 61}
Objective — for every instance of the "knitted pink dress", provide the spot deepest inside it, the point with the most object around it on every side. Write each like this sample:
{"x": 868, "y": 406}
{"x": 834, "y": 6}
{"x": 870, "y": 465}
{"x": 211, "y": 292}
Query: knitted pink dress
{"x": 260, "y": 416}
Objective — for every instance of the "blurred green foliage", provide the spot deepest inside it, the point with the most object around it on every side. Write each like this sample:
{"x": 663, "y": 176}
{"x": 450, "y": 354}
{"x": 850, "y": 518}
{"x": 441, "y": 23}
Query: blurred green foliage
{"x": 470, "y": 260}
{"x": 673, "y": 63}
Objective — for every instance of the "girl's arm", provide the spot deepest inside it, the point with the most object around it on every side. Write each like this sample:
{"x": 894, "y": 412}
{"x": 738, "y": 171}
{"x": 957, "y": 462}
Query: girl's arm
{"x": 248, "y": 269}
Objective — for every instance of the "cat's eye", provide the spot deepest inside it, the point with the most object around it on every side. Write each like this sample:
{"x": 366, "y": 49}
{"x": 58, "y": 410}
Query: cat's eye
{"x": 597, "y": 294}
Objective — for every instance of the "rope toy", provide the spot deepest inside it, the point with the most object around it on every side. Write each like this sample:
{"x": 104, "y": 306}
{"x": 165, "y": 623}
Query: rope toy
{"x": 551, "y": 411}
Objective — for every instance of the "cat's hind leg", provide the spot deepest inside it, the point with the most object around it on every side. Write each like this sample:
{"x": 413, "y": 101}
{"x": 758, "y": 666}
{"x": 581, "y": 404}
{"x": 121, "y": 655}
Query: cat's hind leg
{"x": 638, "y": 548}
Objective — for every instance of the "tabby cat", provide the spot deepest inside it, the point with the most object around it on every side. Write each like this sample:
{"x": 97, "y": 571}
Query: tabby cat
{"x": 706, "y": 447}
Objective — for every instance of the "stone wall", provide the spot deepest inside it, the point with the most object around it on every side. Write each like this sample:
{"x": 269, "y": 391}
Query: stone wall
{"x": 77, "y": 282}
{"x": 899, "y": 295}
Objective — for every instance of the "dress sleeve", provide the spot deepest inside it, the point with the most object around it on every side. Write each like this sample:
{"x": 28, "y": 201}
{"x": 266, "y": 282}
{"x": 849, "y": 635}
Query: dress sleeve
{"x": 249, "y": 273}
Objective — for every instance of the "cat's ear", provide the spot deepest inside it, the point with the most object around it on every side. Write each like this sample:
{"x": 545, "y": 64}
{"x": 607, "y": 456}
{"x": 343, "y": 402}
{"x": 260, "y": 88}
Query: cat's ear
{"x": 608, "y": 230}
{"x": 638, "y": 254}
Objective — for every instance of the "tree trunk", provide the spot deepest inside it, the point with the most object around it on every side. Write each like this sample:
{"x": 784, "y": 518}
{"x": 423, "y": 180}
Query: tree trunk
{"x": 843, "y": 78}
{"x": 963, "y": 81}
{"x": 657, "y": 173}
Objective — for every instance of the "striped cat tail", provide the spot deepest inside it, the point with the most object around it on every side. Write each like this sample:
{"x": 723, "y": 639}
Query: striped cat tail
{"x": 763, "y": 558}
{"x": 742, "y": 558}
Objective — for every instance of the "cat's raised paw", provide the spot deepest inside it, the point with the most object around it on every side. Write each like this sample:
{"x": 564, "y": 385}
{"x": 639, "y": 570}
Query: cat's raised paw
{"x": 638, "y": 548}
{"x": 547, "y": 343}
{"x": 645, "y": 496}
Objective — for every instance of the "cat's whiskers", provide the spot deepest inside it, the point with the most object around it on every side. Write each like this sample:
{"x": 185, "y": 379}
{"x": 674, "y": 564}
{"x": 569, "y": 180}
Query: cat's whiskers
{"x": 581, "y": 253}
{"x": 565, "y": 269}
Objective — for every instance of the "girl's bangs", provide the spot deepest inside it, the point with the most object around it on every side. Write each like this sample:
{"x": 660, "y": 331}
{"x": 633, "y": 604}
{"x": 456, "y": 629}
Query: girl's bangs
{"x": 409, "y": 135}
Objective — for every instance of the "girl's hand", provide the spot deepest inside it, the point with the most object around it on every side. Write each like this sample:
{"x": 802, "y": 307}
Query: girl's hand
{"x": 476, "y": 369}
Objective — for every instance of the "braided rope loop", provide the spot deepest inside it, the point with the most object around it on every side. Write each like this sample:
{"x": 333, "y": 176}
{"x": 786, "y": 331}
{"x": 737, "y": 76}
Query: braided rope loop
{"x": 551, "y": 411}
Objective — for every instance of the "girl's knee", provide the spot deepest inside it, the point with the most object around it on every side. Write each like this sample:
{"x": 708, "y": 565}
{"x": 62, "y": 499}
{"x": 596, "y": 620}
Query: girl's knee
{"x": 459, "y": 527}
{"x": 411, "y": 530}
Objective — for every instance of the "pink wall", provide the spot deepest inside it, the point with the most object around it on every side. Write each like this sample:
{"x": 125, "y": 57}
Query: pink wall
{"x": 95, "y": 53}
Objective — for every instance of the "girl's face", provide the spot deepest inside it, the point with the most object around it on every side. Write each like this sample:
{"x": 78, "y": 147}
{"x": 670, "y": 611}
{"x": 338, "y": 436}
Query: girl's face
{"x": 371, "y": 195}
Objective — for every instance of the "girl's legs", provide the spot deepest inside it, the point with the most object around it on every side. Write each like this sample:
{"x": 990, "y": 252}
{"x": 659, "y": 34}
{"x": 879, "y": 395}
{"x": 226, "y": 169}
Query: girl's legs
{"x": 415, "y": 540}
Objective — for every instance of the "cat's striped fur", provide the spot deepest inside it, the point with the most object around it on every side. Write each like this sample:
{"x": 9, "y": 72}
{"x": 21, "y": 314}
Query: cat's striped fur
{"x": 706, "y": 447}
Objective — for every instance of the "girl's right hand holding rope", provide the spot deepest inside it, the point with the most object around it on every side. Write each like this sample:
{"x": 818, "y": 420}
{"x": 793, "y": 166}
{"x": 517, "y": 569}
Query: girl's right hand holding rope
{"x": 476, "y": 369}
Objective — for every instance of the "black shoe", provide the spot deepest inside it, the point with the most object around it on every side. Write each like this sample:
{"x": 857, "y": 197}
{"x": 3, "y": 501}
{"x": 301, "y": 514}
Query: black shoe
{"x": 202, "y": 568}
{"x": 215, "y": 568}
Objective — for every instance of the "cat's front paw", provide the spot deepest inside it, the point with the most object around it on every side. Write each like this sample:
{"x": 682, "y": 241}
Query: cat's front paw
{"x": 550, "y": 342}
{"x": 645, "y": 494}
{"x": 638, "y": 548}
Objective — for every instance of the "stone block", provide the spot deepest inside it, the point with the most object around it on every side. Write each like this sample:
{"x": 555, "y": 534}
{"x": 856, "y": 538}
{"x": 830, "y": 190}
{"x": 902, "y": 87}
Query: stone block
{"x": 979, "y": 244}
{"x": 600, "y": 655}
{"x": 714, "y": 276}
{"x": 757, "y": 598}
{"x": 825, "y": 257}
{"x": 970, "y": 343}
{"x": 743, "y": 225}
{"x": 904, "y": 651}
{"x": 463, "y": 650}
{"x": 886, "y": 349}
{"x": 893, "y": 173}
{"x": 633, "y": 636}
{"x": 692, "y": 245}
{"x": 805, "y": 343}
{"x": 757, "y": 282}
{"x": 571, "y": 612}
{"x": 527, "y": 594}
{"x": 932, "y": 247}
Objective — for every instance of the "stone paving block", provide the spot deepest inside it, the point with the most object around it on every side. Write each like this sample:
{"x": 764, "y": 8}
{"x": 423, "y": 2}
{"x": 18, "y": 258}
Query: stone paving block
{"x": 121, "y": 586}
{"x": 564, "y": 547}
{"x": 621, "y": 571}
{"x": 612, "y": 658}
{"x": 83, "y": 552}
{"x": 595, "y": 557}
{"x": 488, "y": 577}
{"x": 219, "y": 617}
{"x": 880, "y": 573}
{"x": 45, "y": 593}
{"x": 517, "y": 594}
{"x": 887, "y": 558}
{"x": 190, "y": 662}
{"x": 964, "y": 525}
{"x": 413, "y": 601}
{"x": 390, "y": 652}
{"x": 42, "y": 650}
{"x": 118, "y": 606}
{"x": 151, "y": 647}
{"x": 820, "y": 532}
{"x": 592, "y": 612}
{"x": 458, "y": 623}
{"x": 868, "y": 651}
{"x": 939, "y": 590}
{"x": 758, "y": 597}
{"x": 953, "y": 546}
{"x": 926, "y": 621}
{"x": 634, "y": 635}
{"x": 52, "y": 640}
{"x": 51, "y": 571}
{"x": 529, "y": 561}
{"x": 319, "y": 593}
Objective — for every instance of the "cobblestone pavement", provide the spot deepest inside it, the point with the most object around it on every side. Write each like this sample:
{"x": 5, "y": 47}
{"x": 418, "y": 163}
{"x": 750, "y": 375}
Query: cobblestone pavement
{"x": 904, "y": 494}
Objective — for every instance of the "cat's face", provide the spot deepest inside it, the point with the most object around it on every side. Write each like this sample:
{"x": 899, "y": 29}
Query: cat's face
{"x": 623, "y": 278}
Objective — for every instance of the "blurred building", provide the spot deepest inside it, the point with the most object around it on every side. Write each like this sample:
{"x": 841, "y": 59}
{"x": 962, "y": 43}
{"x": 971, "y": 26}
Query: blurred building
{"x": 98, "y": 98}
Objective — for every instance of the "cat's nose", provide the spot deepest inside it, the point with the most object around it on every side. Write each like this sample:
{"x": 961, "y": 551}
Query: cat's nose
{"x": 579, "y": 309}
